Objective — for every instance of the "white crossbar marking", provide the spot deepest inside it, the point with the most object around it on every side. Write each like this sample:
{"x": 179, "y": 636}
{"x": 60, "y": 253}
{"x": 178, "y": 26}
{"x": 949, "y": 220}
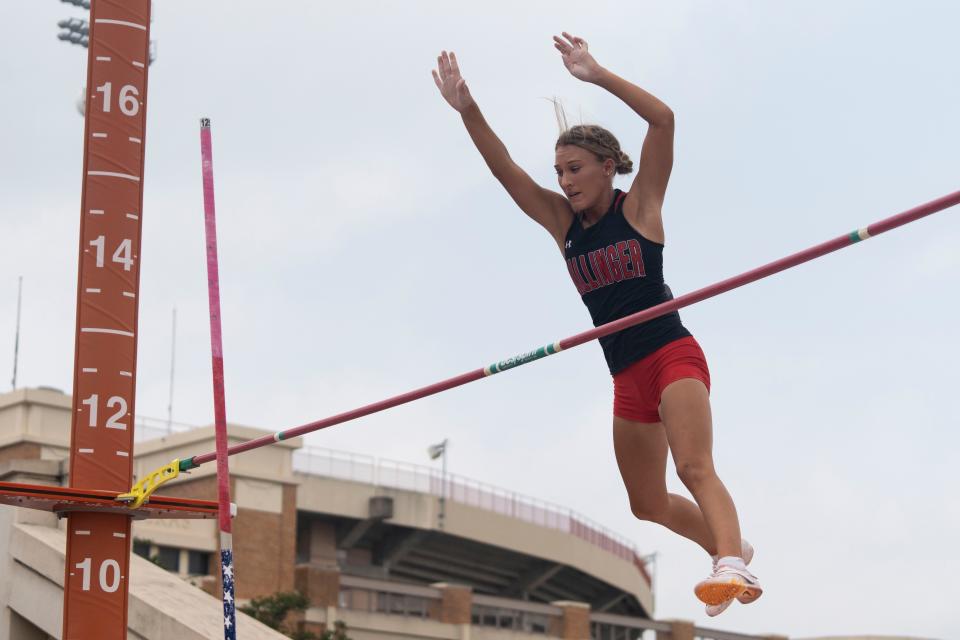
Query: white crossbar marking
{"x": 84, "y": 450}
{"x": 123, "y": 454}
{"x": 132, "y": 139}
{"x": 126, "y": 374}
{"x": 138, "y": 64}
{"x": 103, "y": 58}
{"x": 93, "y": 290}
{"x": 82, "y": 532}
{"x": 119, "y": 535}
{"x": 117, "y": 332}
{"x": 89, "y": 370}
{"x": 133, "y": 216}
{"x": 129, "y": 295}
{"x": 113, "y": 174}
{"x": 96, "y": 212}
{"x": 99, "y": 135}
{"x": 122, "y": 23}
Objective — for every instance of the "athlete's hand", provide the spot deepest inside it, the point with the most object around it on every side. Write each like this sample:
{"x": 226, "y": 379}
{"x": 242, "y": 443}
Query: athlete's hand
{"x": 452, "y": 86}
{"x": 577, "y": 58}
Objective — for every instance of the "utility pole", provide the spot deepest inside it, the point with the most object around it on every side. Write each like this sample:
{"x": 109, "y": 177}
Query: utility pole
{"x": 16, "y": 340}
{"x": 173, "y": 358}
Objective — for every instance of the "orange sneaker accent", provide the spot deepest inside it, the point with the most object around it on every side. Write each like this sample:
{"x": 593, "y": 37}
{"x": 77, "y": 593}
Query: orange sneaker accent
{"x": 749, "y": 595}
{"x": 715, "y": 593}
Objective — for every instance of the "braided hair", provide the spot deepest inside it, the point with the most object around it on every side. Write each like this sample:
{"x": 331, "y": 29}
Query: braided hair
{"x": 599, "y": 142}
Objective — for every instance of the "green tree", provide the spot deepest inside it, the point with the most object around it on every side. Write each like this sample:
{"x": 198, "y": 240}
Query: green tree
{"x": 273, "y": 610}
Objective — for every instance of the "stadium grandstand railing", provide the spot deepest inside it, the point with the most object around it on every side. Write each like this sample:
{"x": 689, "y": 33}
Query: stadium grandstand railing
{"x": 395, "y": 474}
{"x": 147, "y": 428}
{"x": 423, "y": 479}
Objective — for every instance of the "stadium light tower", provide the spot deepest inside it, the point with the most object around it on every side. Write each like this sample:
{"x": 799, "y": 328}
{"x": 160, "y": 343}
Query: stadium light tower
{"x": 77, "y": 31}
{"x": 435, "y": 451}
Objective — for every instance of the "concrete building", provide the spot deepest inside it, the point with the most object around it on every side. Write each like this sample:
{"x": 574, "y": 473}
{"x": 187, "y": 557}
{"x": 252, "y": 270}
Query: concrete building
{"x": 363, "y": 539}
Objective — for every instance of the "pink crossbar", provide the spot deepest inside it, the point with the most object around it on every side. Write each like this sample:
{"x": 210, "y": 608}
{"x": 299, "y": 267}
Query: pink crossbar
{"x": 604, "y": 330}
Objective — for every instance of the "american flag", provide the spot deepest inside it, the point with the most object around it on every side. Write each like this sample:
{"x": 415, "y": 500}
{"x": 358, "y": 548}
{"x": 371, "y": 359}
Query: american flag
{"x": 229, "y": 605}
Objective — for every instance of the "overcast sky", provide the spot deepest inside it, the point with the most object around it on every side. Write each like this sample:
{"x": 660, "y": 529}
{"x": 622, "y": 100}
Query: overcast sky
{"x": 365, "y": 250}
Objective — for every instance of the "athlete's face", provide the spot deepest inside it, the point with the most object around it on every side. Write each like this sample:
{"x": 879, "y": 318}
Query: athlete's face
{"x": 582, "y": 177}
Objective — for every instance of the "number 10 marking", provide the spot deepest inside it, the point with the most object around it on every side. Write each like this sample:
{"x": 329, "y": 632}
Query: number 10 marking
{"x": 106, "y": 567}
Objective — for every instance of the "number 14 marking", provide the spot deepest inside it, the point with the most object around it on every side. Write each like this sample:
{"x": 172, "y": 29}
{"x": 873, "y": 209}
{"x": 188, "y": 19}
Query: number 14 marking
{"x": 123, "y": 254}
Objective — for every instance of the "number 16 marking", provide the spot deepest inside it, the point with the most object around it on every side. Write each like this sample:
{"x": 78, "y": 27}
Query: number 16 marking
{"x": 129, "y": 105}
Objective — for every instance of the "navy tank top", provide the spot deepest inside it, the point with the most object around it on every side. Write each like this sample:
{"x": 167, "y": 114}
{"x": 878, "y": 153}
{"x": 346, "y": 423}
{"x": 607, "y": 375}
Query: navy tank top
{"x": 619, "y": 272}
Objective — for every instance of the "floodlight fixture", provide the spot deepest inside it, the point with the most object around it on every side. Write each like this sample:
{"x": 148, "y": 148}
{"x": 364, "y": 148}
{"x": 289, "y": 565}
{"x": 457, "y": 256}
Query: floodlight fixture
{"x": 75, "y": 24}
{"x": 75, "y": 30}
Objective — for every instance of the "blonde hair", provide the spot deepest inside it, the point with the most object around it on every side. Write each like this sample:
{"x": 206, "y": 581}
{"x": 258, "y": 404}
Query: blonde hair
{"x": 594, "y": 138}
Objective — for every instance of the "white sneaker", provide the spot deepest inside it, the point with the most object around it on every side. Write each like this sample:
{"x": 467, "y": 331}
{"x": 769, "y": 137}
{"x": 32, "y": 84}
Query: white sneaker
{"x": 746, "y": 553}
{"x": 726, "y": 583}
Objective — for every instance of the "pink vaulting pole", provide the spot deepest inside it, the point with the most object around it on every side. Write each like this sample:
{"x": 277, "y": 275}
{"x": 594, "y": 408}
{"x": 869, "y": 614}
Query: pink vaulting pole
{"x": 604, "y": 330}
{"x": 219, "y": 401}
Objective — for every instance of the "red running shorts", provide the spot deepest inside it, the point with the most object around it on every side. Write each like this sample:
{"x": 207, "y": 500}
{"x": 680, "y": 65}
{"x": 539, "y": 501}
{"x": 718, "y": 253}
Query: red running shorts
{"x": 637, "y": 389}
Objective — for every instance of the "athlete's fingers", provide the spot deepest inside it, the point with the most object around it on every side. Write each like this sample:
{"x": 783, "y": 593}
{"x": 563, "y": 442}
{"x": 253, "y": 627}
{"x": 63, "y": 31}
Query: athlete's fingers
{"x": 562, "y": 46}
{"x": 436, "y": 79}
{"x": 453, "y": 63}
{"x": 576, "y": 41}
{"x": 444, "y": 64}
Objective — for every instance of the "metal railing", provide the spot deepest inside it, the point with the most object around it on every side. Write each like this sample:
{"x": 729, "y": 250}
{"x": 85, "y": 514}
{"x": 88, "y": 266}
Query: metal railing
{"x": 515, "y": 615}
{"x": 147, "y": 428}
{"x": 423, "y": 479}
{"x": 379, "y": 596}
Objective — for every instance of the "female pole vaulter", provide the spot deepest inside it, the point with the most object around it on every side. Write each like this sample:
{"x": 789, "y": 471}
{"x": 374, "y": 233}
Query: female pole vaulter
{"x": 613, "y": 243}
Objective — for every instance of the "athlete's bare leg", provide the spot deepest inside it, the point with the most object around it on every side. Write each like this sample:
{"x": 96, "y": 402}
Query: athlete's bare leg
{"x": 641, "y": 451}
{"x": 685, "y": 411}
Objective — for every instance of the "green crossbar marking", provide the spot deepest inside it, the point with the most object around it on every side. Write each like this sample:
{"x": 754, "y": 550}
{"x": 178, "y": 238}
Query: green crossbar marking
{"x": 523, "y": 358}
{"x": 855, "y": 236}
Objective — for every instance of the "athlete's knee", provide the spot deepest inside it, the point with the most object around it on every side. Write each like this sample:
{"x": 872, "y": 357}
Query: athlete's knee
{"x": 650, "y": 508}
{"x": 695, "y": 473}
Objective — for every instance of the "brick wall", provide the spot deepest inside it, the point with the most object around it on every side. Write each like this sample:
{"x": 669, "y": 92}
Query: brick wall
{"x": 321, "y": 586}
{"x": 574, "y": 624}
{"x": 264, "y": 543}
{"x": 264, "y": 548}
{"x": 455, "y": 605}
{"x": 20, "y": 451}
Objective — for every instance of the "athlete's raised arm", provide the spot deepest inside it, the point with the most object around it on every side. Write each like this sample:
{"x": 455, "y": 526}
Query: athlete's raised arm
{"x": 645, "y": 198}
{"x": 551, "y": 210}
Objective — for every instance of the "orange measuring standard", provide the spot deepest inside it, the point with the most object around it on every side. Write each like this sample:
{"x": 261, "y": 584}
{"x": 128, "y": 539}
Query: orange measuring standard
{"x": 104, "y": 376}
{"x": 104, "y": 380}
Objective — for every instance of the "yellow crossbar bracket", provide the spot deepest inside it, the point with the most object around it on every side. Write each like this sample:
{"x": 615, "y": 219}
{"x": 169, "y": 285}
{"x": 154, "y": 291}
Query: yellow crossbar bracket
{"x": 142, "y": 491}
